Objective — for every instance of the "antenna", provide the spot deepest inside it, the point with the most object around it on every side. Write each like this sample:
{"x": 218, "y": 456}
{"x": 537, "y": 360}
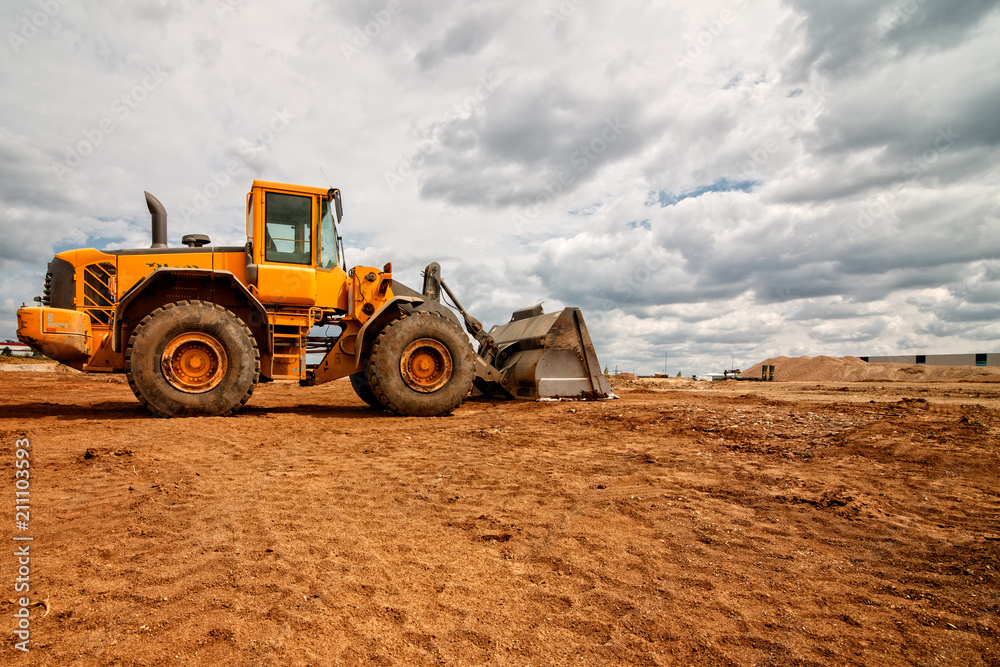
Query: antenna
{"x": 325, "y": 177}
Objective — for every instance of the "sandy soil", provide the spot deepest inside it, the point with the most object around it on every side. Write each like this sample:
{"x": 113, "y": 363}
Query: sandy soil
{"x": 687, "y": 523}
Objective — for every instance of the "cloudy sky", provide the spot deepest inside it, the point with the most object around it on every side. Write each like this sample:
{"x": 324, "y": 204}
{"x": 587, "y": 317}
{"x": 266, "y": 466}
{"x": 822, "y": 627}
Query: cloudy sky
{"x": 726, "y": 179}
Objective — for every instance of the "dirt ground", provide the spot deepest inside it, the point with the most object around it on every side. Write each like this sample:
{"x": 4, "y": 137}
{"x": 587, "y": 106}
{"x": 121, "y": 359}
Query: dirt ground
{"x": 687, "y": 523}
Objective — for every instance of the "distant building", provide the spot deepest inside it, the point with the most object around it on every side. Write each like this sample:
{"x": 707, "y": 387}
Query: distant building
{"x": 980, "y": 359}
{"x": 17, "y": 349}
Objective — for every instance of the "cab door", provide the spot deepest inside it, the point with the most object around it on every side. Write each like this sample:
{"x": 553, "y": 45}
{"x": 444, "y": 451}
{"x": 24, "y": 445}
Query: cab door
{"x": 331, "y": 279}
{"x": 287, "y": 247}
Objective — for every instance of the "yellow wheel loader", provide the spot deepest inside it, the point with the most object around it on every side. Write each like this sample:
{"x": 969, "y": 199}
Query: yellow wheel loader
{"x": 196, "y": 328}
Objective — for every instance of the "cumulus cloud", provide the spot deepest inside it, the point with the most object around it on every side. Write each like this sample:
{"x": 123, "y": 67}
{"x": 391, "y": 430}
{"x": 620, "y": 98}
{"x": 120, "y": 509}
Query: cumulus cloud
{"x": 714, "y": 182}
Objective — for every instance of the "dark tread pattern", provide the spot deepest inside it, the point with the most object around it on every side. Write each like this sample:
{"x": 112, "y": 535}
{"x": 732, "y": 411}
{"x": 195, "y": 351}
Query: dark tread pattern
{"x": 359, "y": 382}
{"x": 379, "y": 348}
{"x": 166, "y": 309}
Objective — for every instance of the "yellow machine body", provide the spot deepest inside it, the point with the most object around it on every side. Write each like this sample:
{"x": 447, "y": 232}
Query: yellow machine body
{"x": 289, "y": 272}
{"x": 56, "y": 332}
{"x": 196, "y": 327}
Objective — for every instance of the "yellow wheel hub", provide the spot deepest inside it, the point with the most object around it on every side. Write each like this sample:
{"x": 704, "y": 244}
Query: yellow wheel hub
{"x": 425, "y": 365}
{"x": 194, "y": 362}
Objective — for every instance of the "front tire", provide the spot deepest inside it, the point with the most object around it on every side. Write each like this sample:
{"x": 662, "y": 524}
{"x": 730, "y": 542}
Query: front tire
{"x": 364, "y": 390}
{"x": 421, "y": 365}
{"x": 192, "y": 358}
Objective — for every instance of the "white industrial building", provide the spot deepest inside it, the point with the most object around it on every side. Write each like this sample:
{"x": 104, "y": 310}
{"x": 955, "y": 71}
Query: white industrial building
{"x": 17, "y": 349}
{"x": 976, "y": 359}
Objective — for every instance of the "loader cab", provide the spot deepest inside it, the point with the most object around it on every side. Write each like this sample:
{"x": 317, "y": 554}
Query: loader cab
{"x": 292, "y": 256}
{"x": 288, "y": 228}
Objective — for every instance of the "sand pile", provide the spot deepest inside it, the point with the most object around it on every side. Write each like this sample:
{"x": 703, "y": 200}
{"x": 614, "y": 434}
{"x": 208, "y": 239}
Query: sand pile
{"x": 853, "y": 369}
{"x": 623, "y": 380}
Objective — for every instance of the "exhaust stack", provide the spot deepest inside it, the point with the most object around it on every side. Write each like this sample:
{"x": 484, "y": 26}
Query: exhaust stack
{"x": 159, "y": 215}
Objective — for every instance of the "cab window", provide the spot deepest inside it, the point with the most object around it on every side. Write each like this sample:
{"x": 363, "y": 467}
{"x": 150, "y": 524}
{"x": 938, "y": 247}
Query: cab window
{"x": 327, "y": 237}
{"x": 287, "y": 228}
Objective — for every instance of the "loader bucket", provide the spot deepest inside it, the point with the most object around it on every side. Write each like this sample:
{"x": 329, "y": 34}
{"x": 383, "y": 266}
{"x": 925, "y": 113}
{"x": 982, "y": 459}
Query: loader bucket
{"x": 548, "y": 356}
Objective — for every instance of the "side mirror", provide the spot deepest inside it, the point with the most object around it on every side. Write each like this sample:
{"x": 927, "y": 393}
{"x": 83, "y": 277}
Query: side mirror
{"x": 337, "y": 204}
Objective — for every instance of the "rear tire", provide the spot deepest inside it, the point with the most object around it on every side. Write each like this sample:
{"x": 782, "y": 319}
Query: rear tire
{"x": 421, "y": 365}
{"x": 364, "y": 390}
{"x": 192, "y": 358}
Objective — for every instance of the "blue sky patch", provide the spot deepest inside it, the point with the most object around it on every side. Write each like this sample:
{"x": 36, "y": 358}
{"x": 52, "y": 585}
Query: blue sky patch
{"x": 722, "y": 185}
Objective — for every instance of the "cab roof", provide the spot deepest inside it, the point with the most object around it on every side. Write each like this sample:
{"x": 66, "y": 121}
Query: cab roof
{"x": 290, "y": 187}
